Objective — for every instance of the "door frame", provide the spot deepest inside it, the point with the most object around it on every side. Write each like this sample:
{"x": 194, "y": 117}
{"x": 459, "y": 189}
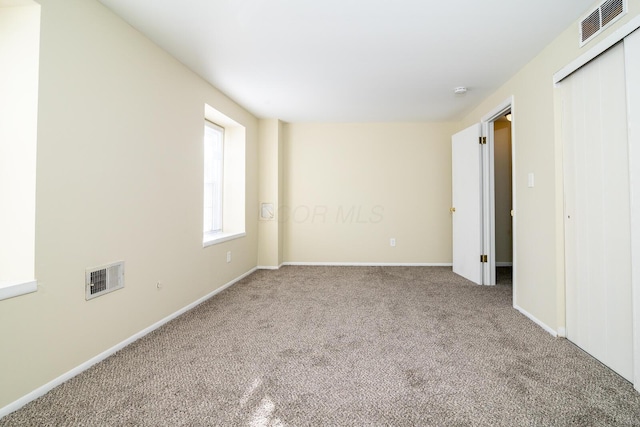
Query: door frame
{"x": 633, "y": 115}
{"x": 632, "y": 66}
{"x": 488, "y": 183}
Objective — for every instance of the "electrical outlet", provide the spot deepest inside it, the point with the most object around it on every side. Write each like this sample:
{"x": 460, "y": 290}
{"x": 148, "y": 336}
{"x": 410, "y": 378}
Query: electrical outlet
{"x": 392, "y": 242}
{"x": 229, "y": 256}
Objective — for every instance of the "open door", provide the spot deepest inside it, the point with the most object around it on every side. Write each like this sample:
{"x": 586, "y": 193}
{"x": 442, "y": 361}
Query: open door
{"x": 466, "y": 210}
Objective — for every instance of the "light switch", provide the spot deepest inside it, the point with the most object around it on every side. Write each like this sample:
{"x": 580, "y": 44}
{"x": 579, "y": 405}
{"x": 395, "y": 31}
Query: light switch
{"x": 531, "y": 180}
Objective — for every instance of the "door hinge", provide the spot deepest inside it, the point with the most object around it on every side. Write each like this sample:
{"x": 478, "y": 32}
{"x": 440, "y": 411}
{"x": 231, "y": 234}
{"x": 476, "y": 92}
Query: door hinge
{"x": 482, "y": 140}
{"x": 484, "y": 258}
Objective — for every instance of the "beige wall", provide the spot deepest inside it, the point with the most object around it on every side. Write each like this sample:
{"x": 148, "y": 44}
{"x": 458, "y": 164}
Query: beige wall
{"x": 119, "y": 177}
{"x": 349, "y": 188}
{"x": 270, "y": 250}
{"x": 539, "y": 250}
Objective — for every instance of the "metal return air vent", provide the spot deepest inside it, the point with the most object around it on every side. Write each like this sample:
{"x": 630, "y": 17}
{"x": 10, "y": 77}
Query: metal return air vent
{"x": 601, "y": 17}
{"x": 104, "y": 279}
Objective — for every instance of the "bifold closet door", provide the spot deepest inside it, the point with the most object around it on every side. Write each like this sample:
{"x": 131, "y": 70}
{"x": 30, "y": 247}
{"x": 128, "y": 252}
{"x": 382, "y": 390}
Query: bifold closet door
{"x": 597, "y": 211}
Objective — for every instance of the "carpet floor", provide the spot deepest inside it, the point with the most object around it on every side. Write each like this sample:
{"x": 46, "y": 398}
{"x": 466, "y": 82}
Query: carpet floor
{"x": 345, "y": 346}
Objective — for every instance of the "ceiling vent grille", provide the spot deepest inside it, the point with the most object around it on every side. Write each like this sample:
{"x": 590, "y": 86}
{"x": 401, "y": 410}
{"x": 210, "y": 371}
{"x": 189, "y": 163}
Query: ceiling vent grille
{"x": 600, "y": 18}
{"x": 104, "y": 279}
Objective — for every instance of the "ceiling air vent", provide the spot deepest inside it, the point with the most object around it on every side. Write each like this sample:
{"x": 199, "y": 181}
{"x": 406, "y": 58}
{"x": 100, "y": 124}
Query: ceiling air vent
{"x": 104, "y": 279}
{"x": 600, "y": 18}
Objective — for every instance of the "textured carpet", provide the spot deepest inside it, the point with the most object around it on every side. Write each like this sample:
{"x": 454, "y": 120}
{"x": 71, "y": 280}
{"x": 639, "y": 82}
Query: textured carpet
{"x": 345, "y": 346}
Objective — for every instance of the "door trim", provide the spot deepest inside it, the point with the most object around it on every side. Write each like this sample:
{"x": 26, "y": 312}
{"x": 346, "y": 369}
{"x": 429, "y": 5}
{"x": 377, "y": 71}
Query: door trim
{"x": 489, "y": 191}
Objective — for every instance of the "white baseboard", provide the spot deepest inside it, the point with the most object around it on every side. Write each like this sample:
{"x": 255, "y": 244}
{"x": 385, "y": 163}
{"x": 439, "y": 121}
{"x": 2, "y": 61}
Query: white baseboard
{"x": 369, "y": 264}
{"x": 562, "y": 332}
{"x": 269, "y": 267}
{"x": 536, "y": 321}
{"x": 40, "y": 391}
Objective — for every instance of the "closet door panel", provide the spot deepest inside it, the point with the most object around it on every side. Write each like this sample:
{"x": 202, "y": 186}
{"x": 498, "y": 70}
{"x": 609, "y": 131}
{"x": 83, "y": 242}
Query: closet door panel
{"x": 597, "y": 211}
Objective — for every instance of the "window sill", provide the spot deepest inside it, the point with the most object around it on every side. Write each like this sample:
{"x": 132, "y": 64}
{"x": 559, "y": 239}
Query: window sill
{"x": 215, "y": 238}
{"x": 15, "y": 289}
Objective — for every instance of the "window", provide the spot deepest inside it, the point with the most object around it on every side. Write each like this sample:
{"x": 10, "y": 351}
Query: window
{"x": 213, "y": 178}
{"x": 19, "y": 56}
{"x": 223, "y": 216}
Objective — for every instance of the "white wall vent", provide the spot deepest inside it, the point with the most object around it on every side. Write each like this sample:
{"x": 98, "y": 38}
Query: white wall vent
{"x": 104, "y": 279}
{"x": 600, "y": 18}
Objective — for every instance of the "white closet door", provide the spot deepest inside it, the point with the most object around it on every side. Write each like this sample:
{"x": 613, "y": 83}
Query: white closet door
{"x": 597, "y": 211}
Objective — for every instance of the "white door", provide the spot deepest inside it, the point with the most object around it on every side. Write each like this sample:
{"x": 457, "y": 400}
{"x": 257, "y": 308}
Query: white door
{"x": 467, "y": 203}
{"x": 597, "y": 211}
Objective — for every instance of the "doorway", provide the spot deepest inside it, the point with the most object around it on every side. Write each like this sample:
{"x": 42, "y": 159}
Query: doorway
{"x": 483, "y": 198}
{"x": 503, "y": 204}
{"x": 500, "y": 197}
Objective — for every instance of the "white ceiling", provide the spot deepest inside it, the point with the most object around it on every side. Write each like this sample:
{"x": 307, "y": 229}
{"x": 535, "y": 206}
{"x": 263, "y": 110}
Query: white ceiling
{"x": 353, "y": 60}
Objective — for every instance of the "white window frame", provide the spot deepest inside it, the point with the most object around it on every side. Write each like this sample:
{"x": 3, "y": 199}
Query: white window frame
{"x": 20, "y": 56}
{"x": 233, "y": 179}
{"x": 213, "y": 180}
